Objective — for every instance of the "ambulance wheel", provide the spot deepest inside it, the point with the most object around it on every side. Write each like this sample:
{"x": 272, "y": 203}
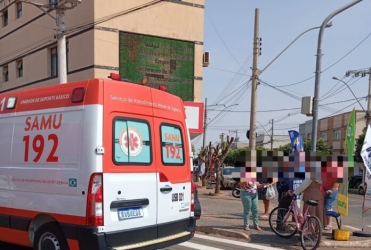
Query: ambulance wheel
{"x": 50, "y": 237}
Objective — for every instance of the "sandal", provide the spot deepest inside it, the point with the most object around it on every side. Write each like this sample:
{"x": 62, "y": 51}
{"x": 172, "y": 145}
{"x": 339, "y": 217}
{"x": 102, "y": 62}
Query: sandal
{"x": 258, "y": 228}
{"x": 246, "y": 229}
{"x": 263, "y": 216}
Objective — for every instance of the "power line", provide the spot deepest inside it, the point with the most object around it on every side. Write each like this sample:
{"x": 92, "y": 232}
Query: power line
{"x": 322, "y": 97}
{"x": 225, "y": 45}
{"x": 341, "y": 89}
{"x": 296, "y": 83}
{"x": 341, "y": 109}
{"x": 277, "y": 110}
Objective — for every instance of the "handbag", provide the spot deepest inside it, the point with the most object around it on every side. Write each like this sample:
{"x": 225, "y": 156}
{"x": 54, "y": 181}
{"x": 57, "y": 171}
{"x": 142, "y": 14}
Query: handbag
{"x": 270, "y": 194}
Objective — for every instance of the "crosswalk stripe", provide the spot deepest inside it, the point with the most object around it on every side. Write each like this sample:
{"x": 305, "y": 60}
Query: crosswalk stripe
{"x": 198, "y": 246}
{"x": 237, "y": 243}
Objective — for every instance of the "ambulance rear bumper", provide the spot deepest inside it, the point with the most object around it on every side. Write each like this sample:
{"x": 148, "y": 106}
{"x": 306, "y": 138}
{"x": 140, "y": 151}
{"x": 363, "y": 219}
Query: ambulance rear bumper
{"x": 152, "y": 237}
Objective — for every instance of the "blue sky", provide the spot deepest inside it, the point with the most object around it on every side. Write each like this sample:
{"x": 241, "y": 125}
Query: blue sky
{"x": 229, "y": 30}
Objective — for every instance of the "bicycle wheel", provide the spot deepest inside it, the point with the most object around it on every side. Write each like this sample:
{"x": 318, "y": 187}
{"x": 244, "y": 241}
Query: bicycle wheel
{"x": 311, "y": 231}
{"x": 284, "y": 229}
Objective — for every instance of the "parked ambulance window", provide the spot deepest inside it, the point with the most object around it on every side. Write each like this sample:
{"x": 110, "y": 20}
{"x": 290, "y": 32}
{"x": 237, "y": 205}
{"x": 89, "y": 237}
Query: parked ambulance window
{"x": 172, "y": 145}
{"x": 132, "y": 143}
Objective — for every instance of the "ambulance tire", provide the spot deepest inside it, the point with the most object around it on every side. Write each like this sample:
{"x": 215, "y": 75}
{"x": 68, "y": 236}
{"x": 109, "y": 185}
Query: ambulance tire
{"x": 49, "y": 236}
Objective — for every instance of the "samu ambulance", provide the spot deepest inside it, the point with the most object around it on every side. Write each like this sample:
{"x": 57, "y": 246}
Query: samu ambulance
{"x": 95, "y": 165}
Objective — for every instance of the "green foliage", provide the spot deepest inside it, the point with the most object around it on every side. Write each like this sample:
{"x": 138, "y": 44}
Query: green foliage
{"x": 322, "y": 147}
{"x": 285, "y": 148}
{"x": 261, "y": 148}
{"x": 232, "y": 155}
{"x": 359, "y": 144}
{"x": 193, "y": 148}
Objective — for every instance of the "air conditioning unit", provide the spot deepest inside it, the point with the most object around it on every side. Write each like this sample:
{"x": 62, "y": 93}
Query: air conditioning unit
{"x": 206, "y": 59}
{"x": 306, "y": 105}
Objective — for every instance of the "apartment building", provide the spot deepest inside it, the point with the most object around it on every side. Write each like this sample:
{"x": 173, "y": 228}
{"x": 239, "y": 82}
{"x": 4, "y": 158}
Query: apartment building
{"x": 160, "y": 39}
{"x": 333, "y": 129}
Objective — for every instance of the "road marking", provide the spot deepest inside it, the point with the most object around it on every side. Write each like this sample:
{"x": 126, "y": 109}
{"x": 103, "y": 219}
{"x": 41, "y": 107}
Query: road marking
{"x": 197, "y": 246}
{"x": 237, "y": 243}
{"x": 354, "y": 228}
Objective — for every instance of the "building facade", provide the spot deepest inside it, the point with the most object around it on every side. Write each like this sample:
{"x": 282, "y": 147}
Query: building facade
{"x": 333, "y": 129}
{"x": 264, "y": 140}
{"x": 162, "y": 40}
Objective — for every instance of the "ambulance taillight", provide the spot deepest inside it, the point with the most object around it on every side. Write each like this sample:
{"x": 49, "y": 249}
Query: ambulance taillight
{"x": 78, "y": 95}
{"x": 94, "y": 209}
{"x": 193, "y": 190}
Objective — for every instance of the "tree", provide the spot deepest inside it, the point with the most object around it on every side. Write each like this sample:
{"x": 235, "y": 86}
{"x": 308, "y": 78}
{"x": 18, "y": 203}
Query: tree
{"x": 359, "y": 144}
{"x": 213, "y": 157}
{"x": 285, "y": 148}
{"x": 322, "y": 147}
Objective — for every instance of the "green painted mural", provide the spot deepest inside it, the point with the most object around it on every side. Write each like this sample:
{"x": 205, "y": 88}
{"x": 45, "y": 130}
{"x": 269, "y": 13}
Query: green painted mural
{"x": 164, "y": 61}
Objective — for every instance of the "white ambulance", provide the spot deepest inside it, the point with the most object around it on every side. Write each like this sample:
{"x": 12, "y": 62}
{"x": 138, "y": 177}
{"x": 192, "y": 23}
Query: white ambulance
{"x": 95, "y": 165}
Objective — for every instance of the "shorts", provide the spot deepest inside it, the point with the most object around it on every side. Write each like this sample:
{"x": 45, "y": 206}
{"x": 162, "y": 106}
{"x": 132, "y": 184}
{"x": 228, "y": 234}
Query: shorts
{"x": 330, "y": 198}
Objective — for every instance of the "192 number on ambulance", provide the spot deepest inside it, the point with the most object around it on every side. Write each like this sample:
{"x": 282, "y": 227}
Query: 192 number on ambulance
{"x": 38, "y": 145}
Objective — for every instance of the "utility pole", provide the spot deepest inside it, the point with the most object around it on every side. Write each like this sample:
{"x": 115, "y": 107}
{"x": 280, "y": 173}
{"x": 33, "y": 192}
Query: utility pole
{"x": 205, "y": 124}
{"x": 272, "y": 134}
{"x": 254, "y": 83}
{"x": 363, "y": 73}
{"x": 60, "y": 6}
{"x": 61, "y": 36}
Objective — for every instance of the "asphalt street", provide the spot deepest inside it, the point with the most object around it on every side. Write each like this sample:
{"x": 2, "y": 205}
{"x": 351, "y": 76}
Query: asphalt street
{"x": 205, "y": 242}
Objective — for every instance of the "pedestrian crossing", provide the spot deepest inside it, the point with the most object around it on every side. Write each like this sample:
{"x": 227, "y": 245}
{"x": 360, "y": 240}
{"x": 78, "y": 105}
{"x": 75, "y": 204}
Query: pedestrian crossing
{"x": 205, "y": 242}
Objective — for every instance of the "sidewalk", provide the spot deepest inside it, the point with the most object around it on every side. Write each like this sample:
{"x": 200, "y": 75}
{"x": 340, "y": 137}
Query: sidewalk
{"x": 222, "y": 214}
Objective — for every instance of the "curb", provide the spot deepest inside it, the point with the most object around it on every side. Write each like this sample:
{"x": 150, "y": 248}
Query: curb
{"x": 223, "y": 232}
{"x": 346, "y": 244}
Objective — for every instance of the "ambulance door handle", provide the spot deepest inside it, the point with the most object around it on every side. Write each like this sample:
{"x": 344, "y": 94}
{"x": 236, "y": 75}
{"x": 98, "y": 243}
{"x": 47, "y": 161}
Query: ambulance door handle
{"x": 166, "y": 189}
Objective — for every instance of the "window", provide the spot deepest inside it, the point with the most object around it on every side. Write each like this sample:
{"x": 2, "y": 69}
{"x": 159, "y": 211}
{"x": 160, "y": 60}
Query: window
{"x": 132, "y": 143}
{"x": 19, "y": 10}
{"x": 172, "y": 145}
{"x": 5, "y": 74}
{"x": 54, "y": 61}
{"x": 67, "y": 49}
{"x": 337, "y": 135}
{"x": 324, "y": 136}
{"x": 19, "y": 69}
{"x": 5, "y": 18}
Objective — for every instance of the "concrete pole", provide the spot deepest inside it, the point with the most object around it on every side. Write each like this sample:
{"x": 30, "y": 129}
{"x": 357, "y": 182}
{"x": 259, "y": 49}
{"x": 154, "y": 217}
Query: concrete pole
{"x": 318, "y": 72}
{"x": 205, "y": 124}
{"x": 272, "y": 134}
{"x": 62, "y": 61}
{"x": 254, "y": 84}
{"x": 368, "y": 115}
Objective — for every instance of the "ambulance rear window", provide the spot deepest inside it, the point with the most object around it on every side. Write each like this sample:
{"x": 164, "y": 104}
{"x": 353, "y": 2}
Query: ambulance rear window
{"x": 172, "y": 145}
{"x": 132, "y": 142}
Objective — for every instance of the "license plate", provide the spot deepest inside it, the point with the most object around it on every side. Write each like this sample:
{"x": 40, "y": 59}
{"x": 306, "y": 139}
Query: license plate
{"x": 129, "y": 213}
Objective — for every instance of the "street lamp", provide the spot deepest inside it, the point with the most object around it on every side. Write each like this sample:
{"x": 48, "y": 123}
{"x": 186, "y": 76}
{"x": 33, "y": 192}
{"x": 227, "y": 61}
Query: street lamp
{"x": 252, "y": 140}
{"x": 274, "y": 59}
{"x": 335, "y": 78}
{"x": 318, "y": 72}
